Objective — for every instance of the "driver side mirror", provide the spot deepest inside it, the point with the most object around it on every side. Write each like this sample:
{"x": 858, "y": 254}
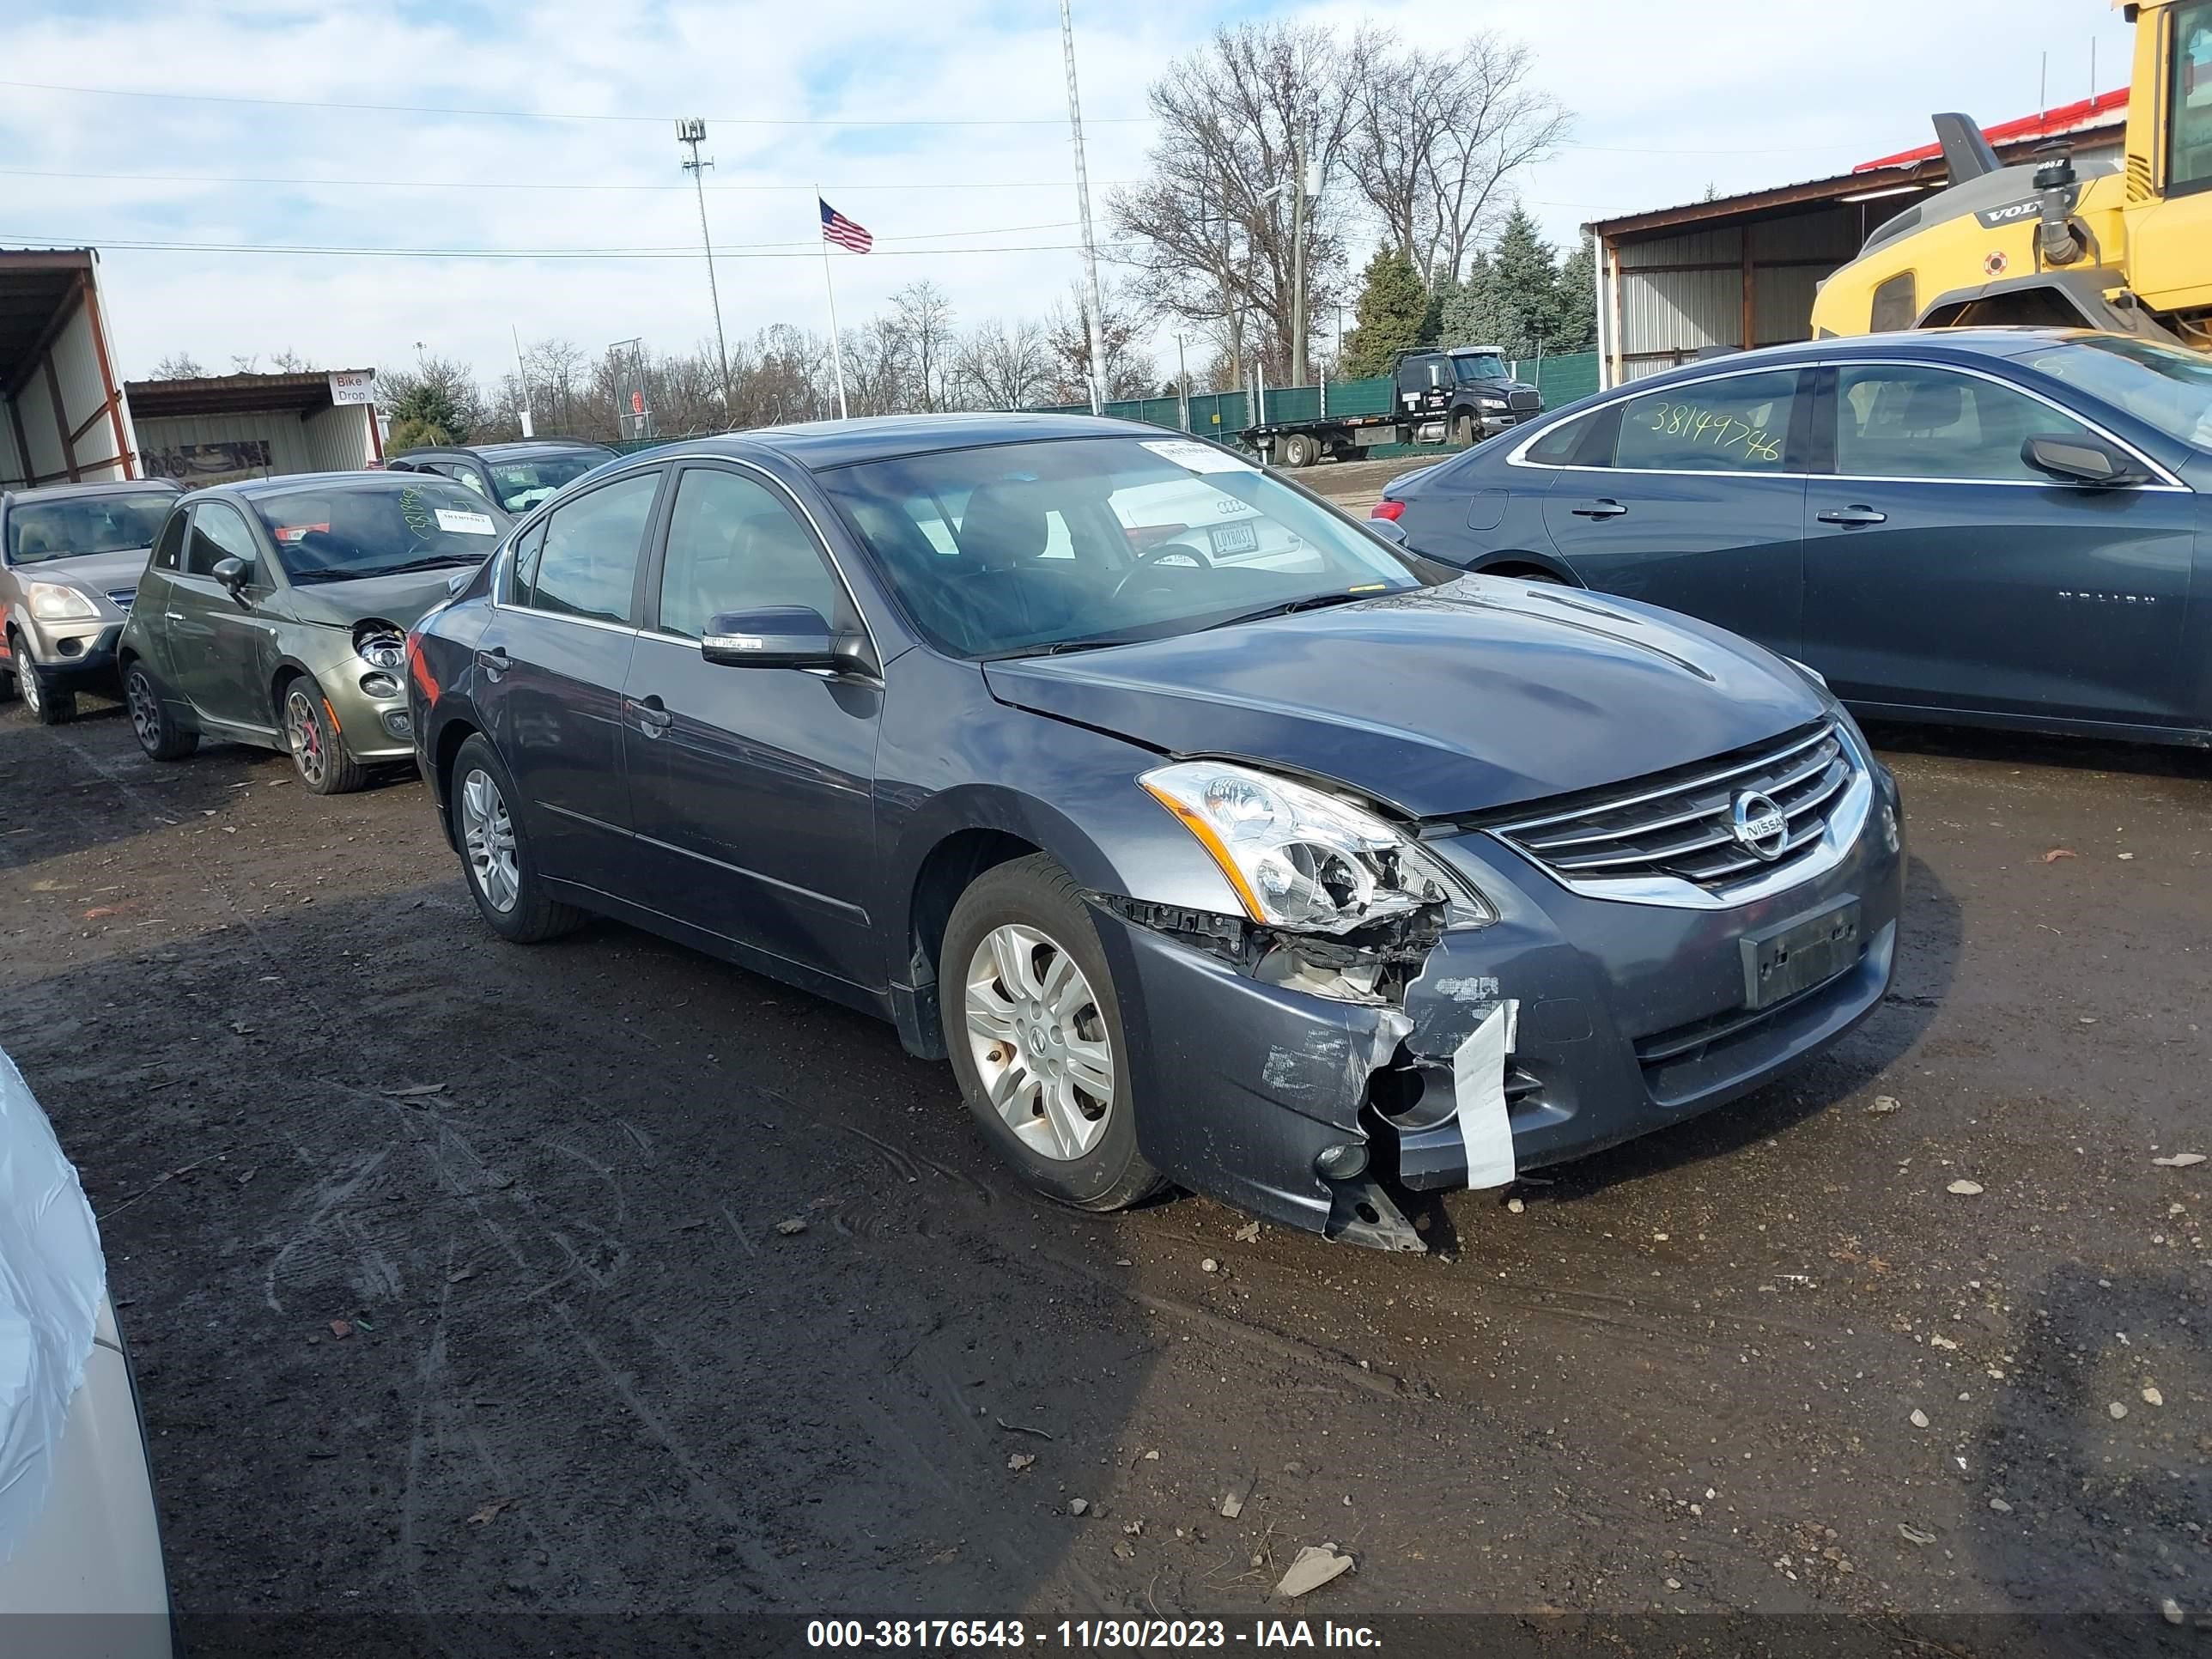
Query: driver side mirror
{"x": 779, "y": 636}
{"x": 2081, "y": 460}
{"x": 234, "y": 575}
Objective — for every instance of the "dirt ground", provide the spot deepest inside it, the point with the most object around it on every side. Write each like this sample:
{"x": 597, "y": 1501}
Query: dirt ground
{"x": 459, "y": 1276}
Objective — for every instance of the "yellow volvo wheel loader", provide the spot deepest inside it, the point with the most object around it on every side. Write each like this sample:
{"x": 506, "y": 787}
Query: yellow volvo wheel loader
{"x": 2126, "y": 248}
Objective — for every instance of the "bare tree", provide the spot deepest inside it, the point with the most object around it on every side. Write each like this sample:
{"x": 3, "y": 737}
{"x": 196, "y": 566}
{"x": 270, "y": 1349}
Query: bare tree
{"x": 1210, "y": 229}
{"x": 1128, "y": 365}
{"x": 289, "y": 361}
{"x": 924, "y": 317}
{"x": 1004, "y": 365}
{"x": 558, "y": 390}
{"x": 242, "y": 365}
{"x": 1497, "y": 125}
{"x": 178, "y": 365}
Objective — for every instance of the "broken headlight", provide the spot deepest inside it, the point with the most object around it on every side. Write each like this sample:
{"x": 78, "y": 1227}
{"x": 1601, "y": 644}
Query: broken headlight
{"x": 1300, "y": 859}
{"x": 380, "y": 645}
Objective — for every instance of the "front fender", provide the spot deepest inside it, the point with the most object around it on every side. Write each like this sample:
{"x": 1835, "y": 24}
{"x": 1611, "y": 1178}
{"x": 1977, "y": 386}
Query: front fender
{"x": 952, "y": 758}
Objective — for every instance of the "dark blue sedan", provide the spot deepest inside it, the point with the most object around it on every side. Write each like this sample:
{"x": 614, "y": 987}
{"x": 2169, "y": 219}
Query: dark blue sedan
{"x": 1212, "y": 839}
{"x": 2008, "y": 526}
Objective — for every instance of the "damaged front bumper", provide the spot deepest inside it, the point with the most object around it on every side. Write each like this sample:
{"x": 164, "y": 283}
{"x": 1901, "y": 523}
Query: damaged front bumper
{"x": 1625, "y": 1017}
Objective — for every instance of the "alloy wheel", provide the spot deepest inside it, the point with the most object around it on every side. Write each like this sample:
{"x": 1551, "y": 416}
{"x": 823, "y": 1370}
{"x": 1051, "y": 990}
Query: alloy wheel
{"x": 1039, "y": 1041}
{"x": 488, "y": 835}
{"x": 145, "y": 709}
{"x": 304, "y": 735}
{"x": 33, "y": 694}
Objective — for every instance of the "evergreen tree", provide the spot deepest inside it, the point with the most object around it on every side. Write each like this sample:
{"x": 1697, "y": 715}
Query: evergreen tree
{"x": 1480, "y": 313}
{"x": 1574, "y": 309}
{"x": 1524, "y": 273}
{"x": 1392, "y": 304}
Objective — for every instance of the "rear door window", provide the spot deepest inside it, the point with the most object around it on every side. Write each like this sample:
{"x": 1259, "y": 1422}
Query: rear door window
{"x": 1740, "y": 423}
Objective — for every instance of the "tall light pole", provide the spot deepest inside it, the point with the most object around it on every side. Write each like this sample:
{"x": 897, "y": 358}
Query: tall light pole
{"x": 1095, "y": 317}
{"x": 692, "y": 134}
{"x": 522, "y": 380}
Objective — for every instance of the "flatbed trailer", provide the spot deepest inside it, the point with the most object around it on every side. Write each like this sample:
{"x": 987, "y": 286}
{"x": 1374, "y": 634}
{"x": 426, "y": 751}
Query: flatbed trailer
{"x": 1460, "y": 395}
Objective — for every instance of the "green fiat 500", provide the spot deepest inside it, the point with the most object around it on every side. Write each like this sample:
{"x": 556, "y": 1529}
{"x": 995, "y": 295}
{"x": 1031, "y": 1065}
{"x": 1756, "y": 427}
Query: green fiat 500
{"x": 275, "y": 612}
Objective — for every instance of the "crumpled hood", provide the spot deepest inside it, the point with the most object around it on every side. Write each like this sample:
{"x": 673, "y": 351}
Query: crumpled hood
{"x": 98, "y": 573}
{"x": 1443, "y": 702}
{"x": 402, "y": 599}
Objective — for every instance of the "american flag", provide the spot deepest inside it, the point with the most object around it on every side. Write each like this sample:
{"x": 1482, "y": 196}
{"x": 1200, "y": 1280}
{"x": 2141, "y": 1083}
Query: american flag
{"x": 837, "y": 227}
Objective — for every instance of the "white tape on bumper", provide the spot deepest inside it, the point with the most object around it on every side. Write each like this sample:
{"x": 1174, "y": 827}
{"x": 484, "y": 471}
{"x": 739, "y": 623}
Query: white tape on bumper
{"x": 1479, "y": 1082}
{"x": 51, "y": 1280}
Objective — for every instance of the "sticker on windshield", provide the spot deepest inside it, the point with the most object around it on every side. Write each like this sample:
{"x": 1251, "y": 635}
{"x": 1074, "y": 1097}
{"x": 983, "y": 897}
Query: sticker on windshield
{"x": 465, "y": 524}
{"x": 1199, "y": 458}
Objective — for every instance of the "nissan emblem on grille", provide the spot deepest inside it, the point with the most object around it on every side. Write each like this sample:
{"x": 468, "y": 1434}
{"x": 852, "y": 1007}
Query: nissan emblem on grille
{"x": 1737, "y": 817}
{"x": 1758, "y": 824}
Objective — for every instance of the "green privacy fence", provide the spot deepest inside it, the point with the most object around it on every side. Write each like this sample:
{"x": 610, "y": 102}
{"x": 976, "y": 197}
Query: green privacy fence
{"x": 1224, "y": 414}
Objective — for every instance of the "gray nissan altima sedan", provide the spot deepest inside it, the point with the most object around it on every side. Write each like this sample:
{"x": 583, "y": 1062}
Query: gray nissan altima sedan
{"x": 1300, "y": 881}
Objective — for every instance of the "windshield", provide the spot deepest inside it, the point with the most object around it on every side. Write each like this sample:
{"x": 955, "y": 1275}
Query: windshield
{"x": 2157, "y": 385}
{"x": 520, "y": 485}
{"x": 1015, "y": 548}
{"x": 70, "y": 529}
{"x": 411, "y": 522}
{"x": 1485, "y": 367}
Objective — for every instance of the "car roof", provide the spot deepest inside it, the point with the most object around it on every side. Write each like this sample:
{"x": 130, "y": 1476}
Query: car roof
{"x": 68, "y": 491}
{"x": 253, "y": 489}
{"x": 513, "y": 449}
{"x": 1953, "y": 342}
{"x": 817, "y": 445}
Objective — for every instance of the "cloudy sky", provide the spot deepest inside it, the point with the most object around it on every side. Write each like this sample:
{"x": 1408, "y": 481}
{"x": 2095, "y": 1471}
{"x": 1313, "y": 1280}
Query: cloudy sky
{"x": 548, "y": 126}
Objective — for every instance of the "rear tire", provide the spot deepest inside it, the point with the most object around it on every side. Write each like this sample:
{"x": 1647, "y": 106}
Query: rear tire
{"x": 159, "y": 735}
{"x": 1299, "y": 450}
{"x": 1035, "y": 1031}
{"x": 317, "y": 747}
{"x": 496, "y": 854}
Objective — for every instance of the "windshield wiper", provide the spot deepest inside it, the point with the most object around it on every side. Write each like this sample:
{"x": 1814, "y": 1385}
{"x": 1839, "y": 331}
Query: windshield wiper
{"x": 1062, "y": 647}
{"x": 440, "y": 561}
{"x": 1311, "y": 602}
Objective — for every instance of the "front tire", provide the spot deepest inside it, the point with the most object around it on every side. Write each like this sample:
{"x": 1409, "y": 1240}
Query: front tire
{"x": 1463, "y": 429}
{"x": 496, "y": 854}
{"x": 1035, "y": 1031}
{"x": 318, "y": 750}
{"x": 48, "y": 706}
{"x": 158, "y": 734}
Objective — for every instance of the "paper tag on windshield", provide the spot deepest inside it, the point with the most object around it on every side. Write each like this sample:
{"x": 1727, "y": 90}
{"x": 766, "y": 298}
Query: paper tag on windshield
{"x": 1199, "y": 458}
{"x": 465, "y": 524}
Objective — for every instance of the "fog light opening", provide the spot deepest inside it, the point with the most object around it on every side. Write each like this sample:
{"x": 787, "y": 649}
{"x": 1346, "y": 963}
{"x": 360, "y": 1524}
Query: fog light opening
{"x": 1346, "y": 1161}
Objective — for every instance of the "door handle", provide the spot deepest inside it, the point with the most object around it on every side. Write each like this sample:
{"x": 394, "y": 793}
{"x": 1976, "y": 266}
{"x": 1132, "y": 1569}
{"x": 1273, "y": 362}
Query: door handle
{"x": 653, "y": 715}
{"x": 494, "y": 662}
{"x": 1606, "y": 508}
{"x": 172, "y": 616}
{"x": 1848, "y": 515}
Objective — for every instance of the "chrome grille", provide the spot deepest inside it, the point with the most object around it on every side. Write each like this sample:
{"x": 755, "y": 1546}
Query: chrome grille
{"x": 121, "y": 597}
{"x": 1522, "y": 401}
{"x": 1680, "y": 823}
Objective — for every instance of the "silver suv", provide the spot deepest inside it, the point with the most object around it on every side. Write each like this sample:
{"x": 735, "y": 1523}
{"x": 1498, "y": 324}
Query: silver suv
{"x": 70, "y": 560}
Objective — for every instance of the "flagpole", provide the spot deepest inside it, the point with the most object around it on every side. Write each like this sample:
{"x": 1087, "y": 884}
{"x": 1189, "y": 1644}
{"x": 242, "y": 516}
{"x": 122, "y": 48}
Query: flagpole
{"x": 836, "y": 347}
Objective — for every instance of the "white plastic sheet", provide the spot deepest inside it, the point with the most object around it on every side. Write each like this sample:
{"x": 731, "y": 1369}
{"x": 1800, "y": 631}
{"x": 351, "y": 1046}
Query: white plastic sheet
{"x": 52, "y": 1280}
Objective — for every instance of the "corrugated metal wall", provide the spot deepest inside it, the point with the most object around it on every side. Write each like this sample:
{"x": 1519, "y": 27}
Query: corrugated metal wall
{"x": 36, "y": 406}
{"x": 286, "y": 438}
{"x": 337, "y": 439}
{"x": 84, "y": 394}
{"x": 1681, "y": 294}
